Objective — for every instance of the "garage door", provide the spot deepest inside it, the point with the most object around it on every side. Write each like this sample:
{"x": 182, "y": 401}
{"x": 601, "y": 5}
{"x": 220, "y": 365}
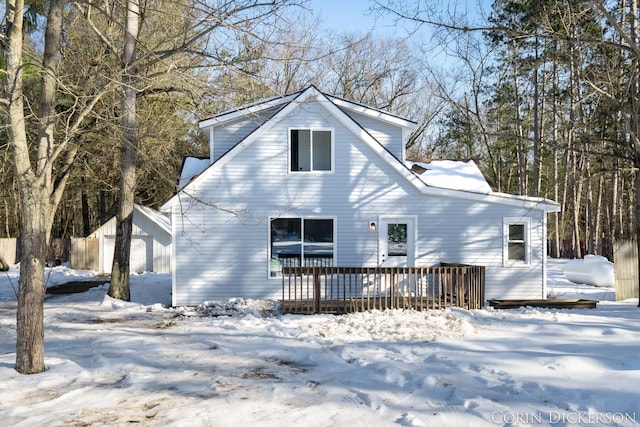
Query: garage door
{"x": 141, "y": 253}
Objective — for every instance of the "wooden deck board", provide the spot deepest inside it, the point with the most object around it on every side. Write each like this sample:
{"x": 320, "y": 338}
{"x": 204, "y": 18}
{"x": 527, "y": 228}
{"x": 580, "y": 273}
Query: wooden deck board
{"x": 543, "y": 303}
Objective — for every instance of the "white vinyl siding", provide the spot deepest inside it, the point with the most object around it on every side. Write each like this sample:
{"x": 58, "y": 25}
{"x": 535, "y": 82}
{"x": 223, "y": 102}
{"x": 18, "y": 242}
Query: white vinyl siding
{"x": 226, "y": 136}
{"x": 390, "y": 136}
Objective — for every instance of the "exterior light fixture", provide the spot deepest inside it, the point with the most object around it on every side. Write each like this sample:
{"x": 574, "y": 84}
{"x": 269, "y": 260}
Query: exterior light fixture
{"x": 373, "y": 226}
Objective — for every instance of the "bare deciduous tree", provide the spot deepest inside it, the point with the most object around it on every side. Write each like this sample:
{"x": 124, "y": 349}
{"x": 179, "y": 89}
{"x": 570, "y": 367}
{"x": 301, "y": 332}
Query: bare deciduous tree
{"x": 42, "y": 173}
{"x": 191, "y": 39}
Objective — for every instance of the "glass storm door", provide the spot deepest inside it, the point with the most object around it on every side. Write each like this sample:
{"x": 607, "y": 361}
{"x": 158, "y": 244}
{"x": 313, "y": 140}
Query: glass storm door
{"x": 396, "y": 242}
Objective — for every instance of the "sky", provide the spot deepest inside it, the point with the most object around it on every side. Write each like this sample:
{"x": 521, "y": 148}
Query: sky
{"x": 354, "y": 15}
{"x": 239, "y": 362}
{"x": 351, "y": 15}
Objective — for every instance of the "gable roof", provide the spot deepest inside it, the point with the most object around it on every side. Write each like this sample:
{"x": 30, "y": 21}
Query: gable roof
{"x": 154, "y": 216}
{"x": 332, "y": 104}
{"x": 265, "y": 104}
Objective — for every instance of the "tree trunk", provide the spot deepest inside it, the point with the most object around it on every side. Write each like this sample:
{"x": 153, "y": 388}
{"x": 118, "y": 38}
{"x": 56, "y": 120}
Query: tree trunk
{"x": 634, "y": 125}
{"x": 588, "y": 208}
{"x": 556, "y": 191}
{"x": 577, "y": 166}
{"x": 597, "y": 218}
{"x": 30, "y": 312}
{"x": 39, "y": 193}
{"x": 119, "y": 287}
{"x": 637, "y": 214}
{"x": 616, "y": 226}
{"x": 86, "y": 223}
{"x": 7, "y": 229}
{"x": 520, "y": 145}
{"x": 537, "y": 124}
{"x": 101, "y": 207}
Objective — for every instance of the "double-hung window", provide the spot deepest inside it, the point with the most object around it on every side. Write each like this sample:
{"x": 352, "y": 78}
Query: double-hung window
{"x": 310, "y": 150}
{"x": 297, "y": 242}
{"x": 516, "y": 242}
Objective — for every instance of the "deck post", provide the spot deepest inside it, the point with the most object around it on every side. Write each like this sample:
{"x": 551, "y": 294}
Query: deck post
{"x": 316, "y": 291}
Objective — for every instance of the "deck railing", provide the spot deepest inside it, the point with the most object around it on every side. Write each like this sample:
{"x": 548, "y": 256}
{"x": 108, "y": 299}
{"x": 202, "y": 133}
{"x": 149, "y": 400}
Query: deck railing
{"x": 349, "y": 289}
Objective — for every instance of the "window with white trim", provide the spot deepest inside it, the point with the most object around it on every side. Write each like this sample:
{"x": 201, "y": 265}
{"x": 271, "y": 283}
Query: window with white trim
{"x": 295, "y": 242}
{"x": 310, "y": 150}
{"x": 516, "y": 242}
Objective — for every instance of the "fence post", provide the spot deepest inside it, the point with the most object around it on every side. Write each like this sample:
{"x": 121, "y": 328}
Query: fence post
{"x": 625, "y": 260}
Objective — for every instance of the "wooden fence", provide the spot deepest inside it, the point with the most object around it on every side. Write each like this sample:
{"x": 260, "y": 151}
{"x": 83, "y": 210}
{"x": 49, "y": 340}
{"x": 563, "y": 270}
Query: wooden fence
{"x": 625, "y": 259}
{"x": 82, "y": 253}
{"x": 307, "y": 290}
{"x": 9, "y": 250}
{"x": 85, "y": 253}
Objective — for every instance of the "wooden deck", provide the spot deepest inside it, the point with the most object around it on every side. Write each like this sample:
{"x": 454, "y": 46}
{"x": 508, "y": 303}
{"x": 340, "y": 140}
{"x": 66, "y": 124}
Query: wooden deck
{"x": 307, "y": 290}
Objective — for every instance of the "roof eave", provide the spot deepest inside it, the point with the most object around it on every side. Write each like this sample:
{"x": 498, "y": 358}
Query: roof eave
{"x": 372, "y": 112}
{"x": 230, "y": 115}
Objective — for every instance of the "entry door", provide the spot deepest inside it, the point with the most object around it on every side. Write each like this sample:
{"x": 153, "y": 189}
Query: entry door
{"x": 397, "y": 242}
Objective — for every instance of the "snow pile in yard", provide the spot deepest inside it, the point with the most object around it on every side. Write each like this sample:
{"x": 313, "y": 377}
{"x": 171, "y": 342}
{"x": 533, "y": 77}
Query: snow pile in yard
{"x": 121, "y": 363}
{"x": 452, "y": 174}
{"x": 593, "y": 270}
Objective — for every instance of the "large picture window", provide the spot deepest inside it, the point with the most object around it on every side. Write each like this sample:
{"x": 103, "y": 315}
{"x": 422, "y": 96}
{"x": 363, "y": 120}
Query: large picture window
{"x": 517, "y": 241}
{"x": 310, "y": 150}
{"x": 296, "y": 242}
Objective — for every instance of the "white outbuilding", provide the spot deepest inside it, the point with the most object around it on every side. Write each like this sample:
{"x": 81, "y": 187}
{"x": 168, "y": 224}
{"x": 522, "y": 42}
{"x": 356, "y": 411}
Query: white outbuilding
{"x": 150, "y": 242}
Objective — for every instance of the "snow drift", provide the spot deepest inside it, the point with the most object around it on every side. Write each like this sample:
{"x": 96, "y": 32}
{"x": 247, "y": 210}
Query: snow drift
{"x": 594, "y": 270}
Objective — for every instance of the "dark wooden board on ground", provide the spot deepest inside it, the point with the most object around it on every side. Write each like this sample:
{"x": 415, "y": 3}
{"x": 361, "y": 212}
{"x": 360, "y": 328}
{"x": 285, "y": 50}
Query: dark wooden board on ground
{"x": 542, "y": 303}
{"x": 76, "y": 286}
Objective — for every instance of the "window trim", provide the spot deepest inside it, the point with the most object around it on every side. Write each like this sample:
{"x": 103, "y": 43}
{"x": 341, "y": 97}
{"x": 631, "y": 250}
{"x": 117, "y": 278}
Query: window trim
{"x": 506, "y": 222}
{"x": 311, "y": 130}
{"x": 302, "y": 219}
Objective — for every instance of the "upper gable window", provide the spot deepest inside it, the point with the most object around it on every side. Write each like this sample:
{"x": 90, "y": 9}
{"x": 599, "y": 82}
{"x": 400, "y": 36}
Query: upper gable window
{"x": 310, "y": 150}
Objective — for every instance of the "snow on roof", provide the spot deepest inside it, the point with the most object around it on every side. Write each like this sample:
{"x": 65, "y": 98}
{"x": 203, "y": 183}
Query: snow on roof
{"x": 191, "y": 167}
{"x": 451, "y": 174}
{"x": 156, "y": 217}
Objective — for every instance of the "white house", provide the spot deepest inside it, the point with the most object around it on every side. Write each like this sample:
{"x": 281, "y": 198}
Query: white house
{"x": 312, "y": 178}
{"x": 150, "y": 242}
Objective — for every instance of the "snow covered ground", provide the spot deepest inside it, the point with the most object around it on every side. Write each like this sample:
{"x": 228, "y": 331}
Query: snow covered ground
{"x": 112, "y": 363}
